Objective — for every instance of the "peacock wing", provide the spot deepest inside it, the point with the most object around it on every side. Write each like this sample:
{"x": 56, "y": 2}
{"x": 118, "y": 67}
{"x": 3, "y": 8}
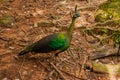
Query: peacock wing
{"x": 42, "y": 45}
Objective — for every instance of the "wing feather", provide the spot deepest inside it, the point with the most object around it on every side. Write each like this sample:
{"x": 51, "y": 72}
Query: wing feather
{"x": 42, "y": 45}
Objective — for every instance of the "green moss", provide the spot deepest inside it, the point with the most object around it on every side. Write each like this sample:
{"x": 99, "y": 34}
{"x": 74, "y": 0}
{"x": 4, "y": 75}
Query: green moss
{"x": 102, "y": 16}
{"x": 116, "y": 37}
{"x": 99, "y": 67}
{"x": 108, "y": 11}
{"x": 4, "y": 0}
{"x": 118, "y": 72}
{"x": 107, "y": 68}
{"x": 6, "y": 20}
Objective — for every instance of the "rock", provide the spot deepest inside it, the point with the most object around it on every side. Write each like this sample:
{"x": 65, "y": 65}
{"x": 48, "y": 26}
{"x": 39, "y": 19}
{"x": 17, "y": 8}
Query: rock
{"x": 16, "y": 79}
{"x": 35, "y": 66}
{"x": 11, "y": 47}
{"x": 25, "y": 73}
{"x": 5, "y": 79}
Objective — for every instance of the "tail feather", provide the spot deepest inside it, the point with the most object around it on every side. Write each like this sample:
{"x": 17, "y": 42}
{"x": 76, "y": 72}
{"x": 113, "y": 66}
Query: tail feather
{"x": 23, "y": 52}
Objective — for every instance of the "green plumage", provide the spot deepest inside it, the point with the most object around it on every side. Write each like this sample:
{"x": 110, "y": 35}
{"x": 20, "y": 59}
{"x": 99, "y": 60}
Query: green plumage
{"x": 59, "y": 42}
{"x": 54, "y": 42}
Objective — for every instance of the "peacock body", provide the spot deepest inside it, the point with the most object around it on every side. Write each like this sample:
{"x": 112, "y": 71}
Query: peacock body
{"x": 55, "y": 42}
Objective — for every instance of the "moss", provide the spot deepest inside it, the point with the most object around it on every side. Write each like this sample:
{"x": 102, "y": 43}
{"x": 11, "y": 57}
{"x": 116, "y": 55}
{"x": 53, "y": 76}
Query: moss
{"x": 108, "y": 11}
{"x": 118, "y": 72}
{"x": 107, "y": 68}
{"x": 6, "y": 20}
{"x": 99, "y": 67}
{"x": 4, "y": 0}
{"x": 102, "y": 16}
{"x": 116, "y": 37}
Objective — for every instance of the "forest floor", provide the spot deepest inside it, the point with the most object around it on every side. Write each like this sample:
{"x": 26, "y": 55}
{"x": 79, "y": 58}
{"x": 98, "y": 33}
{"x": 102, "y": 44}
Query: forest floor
{"x": 34, "y": 19}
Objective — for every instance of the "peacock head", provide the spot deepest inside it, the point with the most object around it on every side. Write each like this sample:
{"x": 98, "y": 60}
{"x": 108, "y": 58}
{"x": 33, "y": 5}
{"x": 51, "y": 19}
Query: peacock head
{"x": 76, "y": 14}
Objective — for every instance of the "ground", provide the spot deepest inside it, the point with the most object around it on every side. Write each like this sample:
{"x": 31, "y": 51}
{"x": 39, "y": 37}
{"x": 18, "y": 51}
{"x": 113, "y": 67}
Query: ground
{"x": 30, "y": 20}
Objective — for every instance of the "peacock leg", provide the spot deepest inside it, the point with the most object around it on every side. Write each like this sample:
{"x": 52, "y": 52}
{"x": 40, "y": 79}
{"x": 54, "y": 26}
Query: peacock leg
{"x": 57, "y": 54}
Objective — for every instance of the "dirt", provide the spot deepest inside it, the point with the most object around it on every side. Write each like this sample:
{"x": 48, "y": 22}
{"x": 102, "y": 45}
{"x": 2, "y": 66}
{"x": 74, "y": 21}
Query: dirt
{"x": 34, "y": 19}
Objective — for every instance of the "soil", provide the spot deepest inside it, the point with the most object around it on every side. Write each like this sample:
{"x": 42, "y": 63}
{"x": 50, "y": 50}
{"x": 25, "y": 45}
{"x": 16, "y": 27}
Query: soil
{"x": 34, "y": 19}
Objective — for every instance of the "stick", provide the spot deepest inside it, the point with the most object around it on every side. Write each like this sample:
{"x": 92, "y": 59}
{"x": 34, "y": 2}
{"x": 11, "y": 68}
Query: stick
{"x": 42, "y": 64}
{"x": 20, "y": 76}
{"x": 58, "y": 71}
{"x": 72, "y": 75}
{"x": 20, "y": 68}
{"x": 83, "y": 64}
{"x": 4, "y": 39}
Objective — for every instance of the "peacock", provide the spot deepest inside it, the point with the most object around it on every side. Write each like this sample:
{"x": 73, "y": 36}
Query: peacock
{"x": 57, "y": 42}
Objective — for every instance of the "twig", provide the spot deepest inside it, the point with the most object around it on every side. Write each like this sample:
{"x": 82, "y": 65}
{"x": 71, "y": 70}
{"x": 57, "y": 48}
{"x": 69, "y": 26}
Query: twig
{"x": 72, "y": 75}
{"x": 71, "y": 54}
{"x": 95, "y": 26}
{"x": 4, "y": 39}
{"x": 2, "y": 30}
{"x": 20, "y": 68}
{"x": 58, "y": 71}
{"x": 52, "y": 72}
{"x": 102, "y": 38}
{"x": 46, "y": 68}
{"x": 5, "y": 53}
{"x": 103, "y": 53}
{"x": 105, "y": 22}
{"x": 42, "y": 64}
{"x": 109, "y": 28}
{"x": 83, "y": 64}
{"x": 69, "y": 62}
{"x": 101, "y": 24}
{"x": 20, "y": 76}
{"x": 86, "y": 7}
{"x": 73, "y": 58}
{"x": 21, "y": 64}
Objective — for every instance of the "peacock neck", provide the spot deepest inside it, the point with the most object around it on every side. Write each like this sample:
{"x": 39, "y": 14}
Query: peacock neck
{"x": 71, "y": 28}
